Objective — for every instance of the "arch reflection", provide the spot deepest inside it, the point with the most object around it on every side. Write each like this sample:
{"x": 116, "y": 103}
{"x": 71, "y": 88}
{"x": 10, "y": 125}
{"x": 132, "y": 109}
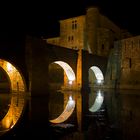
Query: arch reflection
{"x": 16, "y": 101}
{"x": 98, "y": 102}
{"x": 15, "y": 109}
{"x": 68, "y": 110}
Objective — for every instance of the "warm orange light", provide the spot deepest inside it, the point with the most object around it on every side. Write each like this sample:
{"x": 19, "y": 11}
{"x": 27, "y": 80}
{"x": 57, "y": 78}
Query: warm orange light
{"x": 14, "y": 76}
{"x": 9, "y": 67}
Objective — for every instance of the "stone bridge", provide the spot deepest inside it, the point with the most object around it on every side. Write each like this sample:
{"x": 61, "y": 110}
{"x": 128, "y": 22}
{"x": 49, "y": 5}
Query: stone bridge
{"x": 26, "y": 65}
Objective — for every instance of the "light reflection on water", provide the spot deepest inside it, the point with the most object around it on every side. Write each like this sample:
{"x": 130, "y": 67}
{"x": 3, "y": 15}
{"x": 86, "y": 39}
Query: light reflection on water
{"x": 97, "y": 102}
{"x": 5, "y": 100}
{"x": 11, "y": 108}
{"x": 118, "y": 117}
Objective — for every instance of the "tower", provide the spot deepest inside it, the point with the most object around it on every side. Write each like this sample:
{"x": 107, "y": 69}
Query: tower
{"x": 92, "y": 23}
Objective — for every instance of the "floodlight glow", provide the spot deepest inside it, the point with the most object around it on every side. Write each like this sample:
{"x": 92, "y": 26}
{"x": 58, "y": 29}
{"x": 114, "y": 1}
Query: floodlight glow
{"x": 99, "y": 81}
{"x": 70, "y": 82}
{"x": 69, "y": 72}
{"x": 9, "y": 67}
{"x": 70, "y": 102}
{"x": 70, "y": 98}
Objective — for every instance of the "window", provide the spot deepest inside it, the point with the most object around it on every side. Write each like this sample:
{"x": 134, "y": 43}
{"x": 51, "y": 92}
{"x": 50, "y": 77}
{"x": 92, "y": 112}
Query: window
{"x": 74, "y": 24}
{"x": 70, "y": 38}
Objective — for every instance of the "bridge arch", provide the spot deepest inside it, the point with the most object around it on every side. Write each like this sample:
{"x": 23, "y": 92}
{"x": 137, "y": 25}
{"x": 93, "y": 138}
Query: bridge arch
{"x": 68, "y": 70}
{"x": 97, "y": 102}
{"x": 61, "y": 72}
{"x": 16, "y": 79}
{"x": 95, "y": 75}
{"x": 70, "y": 103}
{"x": 16, "y": 101}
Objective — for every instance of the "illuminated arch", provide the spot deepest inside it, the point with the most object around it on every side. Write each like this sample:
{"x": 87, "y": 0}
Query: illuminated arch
{"x": 98, "y": 102}
{"x": 98, "y": 74}
{"x": 68, "y": 70}
{"x": 66, "y": 113}
{"x": 17, "y": 82}
{"x": 71, "y": 103}
{"x": 17, "y": 100}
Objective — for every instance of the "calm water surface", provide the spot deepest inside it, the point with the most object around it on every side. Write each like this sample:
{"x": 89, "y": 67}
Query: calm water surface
{"x": 116, "y": 118}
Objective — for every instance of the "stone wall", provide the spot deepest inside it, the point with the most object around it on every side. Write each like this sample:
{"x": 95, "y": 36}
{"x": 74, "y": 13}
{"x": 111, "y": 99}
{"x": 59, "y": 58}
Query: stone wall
{"x": 130, "y": 62}
{"x": 72, "y": 32}
{"x": 54, "y": 40}
{"x": 92, "y": 31}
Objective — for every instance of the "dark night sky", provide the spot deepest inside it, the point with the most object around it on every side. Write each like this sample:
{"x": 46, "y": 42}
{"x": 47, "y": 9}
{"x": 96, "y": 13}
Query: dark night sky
{"x": 41, "y": 18}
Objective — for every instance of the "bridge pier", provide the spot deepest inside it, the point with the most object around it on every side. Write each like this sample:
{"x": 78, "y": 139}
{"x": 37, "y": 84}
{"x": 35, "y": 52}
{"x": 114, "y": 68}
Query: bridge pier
{"x": 39, "y": 91}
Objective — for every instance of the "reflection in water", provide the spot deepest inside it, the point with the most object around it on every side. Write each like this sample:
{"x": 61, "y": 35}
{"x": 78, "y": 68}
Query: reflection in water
{"x": 118, "y": 117}
{"x": 66, "y": 113}
{"x": 131, "y": 116}
{"x": 98, "y": 102}
{"x": 5, "y": 100}
{"x": 15, "y": 103}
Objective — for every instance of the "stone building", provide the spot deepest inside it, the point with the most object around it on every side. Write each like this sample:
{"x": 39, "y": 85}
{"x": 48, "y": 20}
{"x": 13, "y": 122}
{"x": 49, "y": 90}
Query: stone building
{"x": 92, "y": 31}
{"x": 98, "y": 35}
{"x": 129, "y": 73}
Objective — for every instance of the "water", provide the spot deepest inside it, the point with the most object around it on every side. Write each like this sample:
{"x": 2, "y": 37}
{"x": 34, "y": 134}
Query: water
{"x": 115, "y": 116}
